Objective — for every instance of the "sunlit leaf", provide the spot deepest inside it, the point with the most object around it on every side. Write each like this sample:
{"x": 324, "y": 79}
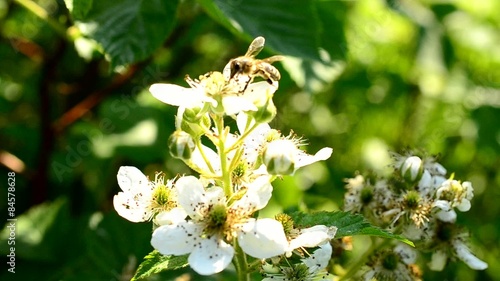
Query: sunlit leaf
{"x": 290, "y": 27}
{"x": 128, "y": 30}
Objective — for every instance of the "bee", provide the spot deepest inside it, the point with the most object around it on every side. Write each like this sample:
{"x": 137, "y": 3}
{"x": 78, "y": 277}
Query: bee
{"x": 244, "y": 69}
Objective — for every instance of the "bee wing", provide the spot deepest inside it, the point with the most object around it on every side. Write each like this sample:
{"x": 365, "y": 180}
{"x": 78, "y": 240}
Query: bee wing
{"x": 273, "y": 59}
{"x": 255, "y": 47}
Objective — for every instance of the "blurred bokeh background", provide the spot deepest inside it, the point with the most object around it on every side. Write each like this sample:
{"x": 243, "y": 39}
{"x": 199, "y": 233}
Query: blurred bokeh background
{"x": 363, "y": 77}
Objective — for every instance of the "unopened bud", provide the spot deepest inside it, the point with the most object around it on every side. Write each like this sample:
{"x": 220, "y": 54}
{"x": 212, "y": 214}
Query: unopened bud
{"x": 195, "y": 126}
{"x": 412, "y": 168}
{"x": 192, "y": 115}
{"x": 279, "y": 157}
{"x": 181, "y": 145}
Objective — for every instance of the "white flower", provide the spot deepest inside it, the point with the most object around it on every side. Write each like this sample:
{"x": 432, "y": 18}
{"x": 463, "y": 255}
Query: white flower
{"x": 213, "y": 90}
{"x": 215, "y": 223}
{"x": 141, "y": 199}
{"x": 451, "y": 194}
{"x": 392, "y": 265}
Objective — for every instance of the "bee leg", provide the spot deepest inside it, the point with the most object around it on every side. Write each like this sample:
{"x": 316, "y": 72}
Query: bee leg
{"x": 246, "y": 86}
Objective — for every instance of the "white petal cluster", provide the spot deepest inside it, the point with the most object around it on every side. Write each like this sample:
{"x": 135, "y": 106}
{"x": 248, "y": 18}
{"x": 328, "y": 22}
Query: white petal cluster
{"x": 213, "y": 90}
{"x": 207, "y": 234}
{"x": 452, "y": 194}
{"x": 418, "y": 199}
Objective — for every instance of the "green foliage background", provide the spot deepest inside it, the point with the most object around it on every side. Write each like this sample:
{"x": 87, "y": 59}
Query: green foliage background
{"x": 363, "y": 77}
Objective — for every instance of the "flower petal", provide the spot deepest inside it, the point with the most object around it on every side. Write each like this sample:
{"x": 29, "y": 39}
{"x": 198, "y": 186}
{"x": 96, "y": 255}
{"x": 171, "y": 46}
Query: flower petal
{"x": 258, "y": 194}
{"x": 304, "y": 159}
{"x": 191, "y": 193}
{"x": 174, "y": 216}
{"x": 313, "y": 236}
{"x": 132, "y": 204}
{"x": 463, "y": 253}
{"x": 176, "y": 239}
{"x": 211, "y": 256}
{"x": 131, "y": 179}
{"x": 195, "y": 199}
{"x": 178, "y": 96}
{"x": 263, "y": 238}
{"x": 127, "y": 207}
{"x": 442, "y": 204}
{"x": 447, "y": 216}
{"x": 438, "y": 261}
{"x": 319, "y": 259}
{"x": 464, "y": 205}
{"x": 198, "y": 160}
{"x": 236, "y": 104}
{"x": 259, "y": 92}
{"x": 407, "y": 254}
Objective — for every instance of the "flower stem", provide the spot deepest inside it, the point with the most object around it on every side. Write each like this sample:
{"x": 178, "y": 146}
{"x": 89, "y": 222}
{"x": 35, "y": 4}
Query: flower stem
{"x": 241, "y": 263}
{"x": 226, "y": 173}
{"x": 38, "y": 11}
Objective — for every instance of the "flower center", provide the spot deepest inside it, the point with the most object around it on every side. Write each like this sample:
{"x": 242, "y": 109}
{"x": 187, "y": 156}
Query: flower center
{"x": 412, "y": 200}
{"x": 444, "y": 231}
{"x": 298, "y": 272}
{"x": 366, "y": 194}
{"x": 216, "y": 219}
{"x": 390, "y": 261}
{"x": 161, "y": 199}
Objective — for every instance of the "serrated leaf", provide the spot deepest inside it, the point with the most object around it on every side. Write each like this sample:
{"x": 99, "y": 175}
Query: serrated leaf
{"x": 155, "y": 262}
{"x": 291, "y": 27}
{"x": 128, "y": 30}
{"x": 348, "y": 224}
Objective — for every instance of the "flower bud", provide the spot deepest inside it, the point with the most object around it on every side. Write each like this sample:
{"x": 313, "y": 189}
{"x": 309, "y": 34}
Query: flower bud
{"x": 279, "y": 157}
{"x": 412, "y": 168}
{"x": 192, "y": 115}
{"x": 195, "y": 126}
{"x": 181, "y": 145}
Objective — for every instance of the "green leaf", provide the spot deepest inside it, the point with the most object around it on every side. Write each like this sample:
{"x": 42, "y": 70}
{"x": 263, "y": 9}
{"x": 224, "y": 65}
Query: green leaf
{"x": 128, "y": 30}
{"x": 316, "y": 75}
{"x": 291, "y": 27}
{"x": 348, "y": 224}
{"x": 155, "y": 262}
{"x": 332, "y": 15}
